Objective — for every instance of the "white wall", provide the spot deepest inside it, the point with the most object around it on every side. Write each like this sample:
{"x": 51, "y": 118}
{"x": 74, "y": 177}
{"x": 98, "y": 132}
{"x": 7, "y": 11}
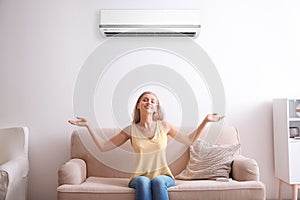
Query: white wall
{"x": 254, "y": 44}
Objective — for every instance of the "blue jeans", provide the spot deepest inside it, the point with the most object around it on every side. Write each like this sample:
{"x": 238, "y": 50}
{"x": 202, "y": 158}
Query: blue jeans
{"x": 155, "y": 189}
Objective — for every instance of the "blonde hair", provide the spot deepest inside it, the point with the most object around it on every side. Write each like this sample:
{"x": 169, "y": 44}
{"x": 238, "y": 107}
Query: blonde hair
{"x": 157, "y": 115}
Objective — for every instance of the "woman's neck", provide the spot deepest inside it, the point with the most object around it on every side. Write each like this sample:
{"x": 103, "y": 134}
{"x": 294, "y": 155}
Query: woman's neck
{"x": 146, "y": 121}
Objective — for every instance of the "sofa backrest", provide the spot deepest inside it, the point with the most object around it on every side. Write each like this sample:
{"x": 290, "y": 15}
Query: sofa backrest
{"x": 120, "y": 161}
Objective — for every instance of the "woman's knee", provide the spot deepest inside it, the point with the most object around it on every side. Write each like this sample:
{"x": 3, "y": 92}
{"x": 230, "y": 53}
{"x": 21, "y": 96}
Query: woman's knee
{"x": 162, "y": 182}
{"x": 143, "y": 181}
{"x": 158, "y": 182}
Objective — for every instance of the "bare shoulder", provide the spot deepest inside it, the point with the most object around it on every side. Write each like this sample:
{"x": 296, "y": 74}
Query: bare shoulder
{"x": 127, "y": 130}
{"x": 163, "y": 124}
{"x": 170, "y": 129}
{"x": 167, "y": 126}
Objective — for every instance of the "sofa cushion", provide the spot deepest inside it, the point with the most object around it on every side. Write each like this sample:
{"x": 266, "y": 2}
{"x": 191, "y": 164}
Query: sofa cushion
{"x": 95, "y": 188}
{"x": 209, "y": 161}
{"x": 99, "y": 185}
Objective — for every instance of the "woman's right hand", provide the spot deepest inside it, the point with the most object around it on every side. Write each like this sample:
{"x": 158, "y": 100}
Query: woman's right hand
{"x": 79, "y": 122}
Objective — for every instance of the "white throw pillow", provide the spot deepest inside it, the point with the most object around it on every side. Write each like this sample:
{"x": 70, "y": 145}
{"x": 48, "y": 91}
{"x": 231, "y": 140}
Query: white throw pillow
{"x": 208, "y": 161}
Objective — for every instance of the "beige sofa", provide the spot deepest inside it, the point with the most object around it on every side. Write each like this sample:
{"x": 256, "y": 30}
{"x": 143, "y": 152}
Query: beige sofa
{"x": 84, "y": 176}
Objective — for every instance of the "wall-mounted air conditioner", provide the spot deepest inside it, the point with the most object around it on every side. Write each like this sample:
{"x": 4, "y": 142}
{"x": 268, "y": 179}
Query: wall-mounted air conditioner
{"x": 150, "y": 23}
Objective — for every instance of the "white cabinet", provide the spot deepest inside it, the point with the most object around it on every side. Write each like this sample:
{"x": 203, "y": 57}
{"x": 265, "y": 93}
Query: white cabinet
{"x": 294, "y": 162}
{"x": 286, "y": 126}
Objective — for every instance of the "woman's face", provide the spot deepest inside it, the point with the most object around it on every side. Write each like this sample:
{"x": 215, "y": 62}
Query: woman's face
{"x": 148, "y": 103}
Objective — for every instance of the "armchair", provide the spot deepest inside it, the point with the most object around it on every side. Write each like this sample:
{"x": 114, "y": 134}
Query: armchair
{"x": 14, "y": 164}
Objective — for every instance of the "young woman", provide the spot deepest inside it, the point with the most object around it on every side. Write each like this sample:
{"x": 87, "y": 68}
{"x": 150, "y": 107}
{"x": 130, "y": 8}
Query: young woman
{"x": 148, "y": 134}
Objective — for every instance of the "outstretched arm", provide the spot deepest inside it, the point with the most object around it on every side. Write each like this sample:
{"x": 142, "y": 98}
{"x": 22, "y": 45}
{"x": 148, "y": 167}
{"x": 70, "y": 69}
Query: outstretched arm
{"x": 102, "y": 144}
{"x": 190, "y": 139}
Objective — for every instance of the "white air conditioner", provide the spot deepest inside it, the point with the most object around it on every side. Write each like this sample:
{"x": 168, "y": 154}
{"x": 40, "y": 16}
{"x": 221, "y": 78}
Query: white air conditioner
{"x": 150, "y": 23}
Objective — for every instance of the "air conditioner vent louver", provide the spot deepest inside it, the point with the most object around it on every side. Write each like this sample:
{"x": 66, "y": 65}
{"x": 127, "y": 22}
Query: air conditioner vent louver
{"x": 146, "y": 34}
{"x": 149, "y": 23}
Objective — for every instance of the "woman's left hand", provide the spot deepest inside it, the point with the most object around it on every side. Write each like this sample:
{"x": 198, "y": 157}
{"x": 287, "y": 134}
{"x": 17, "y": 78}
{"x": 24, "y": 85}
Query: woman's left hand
{"x": 214, "y": 117}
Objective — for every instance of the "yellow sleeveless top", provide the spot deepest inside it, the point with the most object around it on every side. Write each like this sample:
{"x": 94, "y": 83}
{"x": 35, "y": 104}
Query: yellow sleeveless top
{"x": 150, "y": 153}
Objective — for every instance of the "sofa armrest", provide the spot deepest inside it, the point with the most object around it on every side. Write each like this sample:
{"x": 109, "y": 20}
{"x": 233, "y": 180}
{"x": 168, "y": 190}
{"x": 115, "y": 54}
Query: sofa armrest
{"x": 15, "y": 169}
{"x": 245, "y": 169}
{"x": 72, "y": 172}
{"x": 3, "y": 184}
